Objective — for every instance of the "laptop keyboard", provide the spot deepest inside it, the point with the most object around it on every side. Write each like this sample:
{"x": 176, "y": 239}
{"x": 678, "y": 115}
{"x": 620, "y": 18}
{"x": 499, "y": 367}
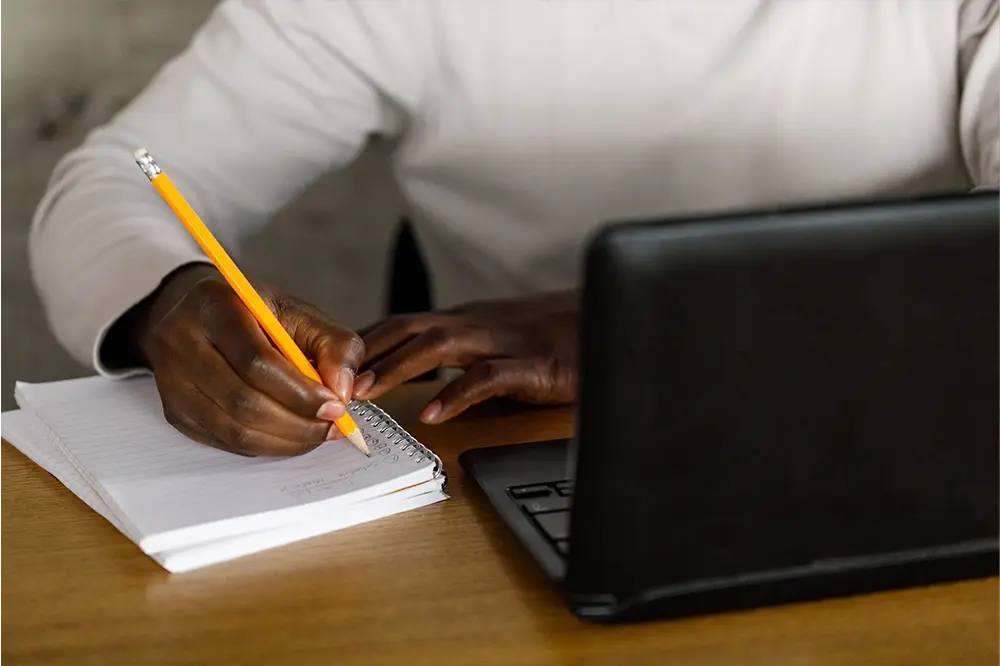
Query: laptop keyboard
{"x": 548, "y": 505}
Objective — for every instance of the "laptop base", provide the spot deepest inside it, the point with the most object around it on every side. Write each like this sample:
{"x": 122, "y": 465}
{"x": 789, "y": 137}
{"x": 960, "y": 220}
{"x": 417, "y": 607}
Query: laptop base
{"x": 498, "y": 470}
{"x": 513, "y": 477}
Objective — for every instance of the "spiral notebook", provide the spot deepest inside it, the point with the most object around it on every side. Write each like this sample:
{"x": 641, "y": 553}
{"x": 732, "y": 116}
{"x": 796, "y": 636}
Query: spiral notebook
{"x": 187, "y": 505}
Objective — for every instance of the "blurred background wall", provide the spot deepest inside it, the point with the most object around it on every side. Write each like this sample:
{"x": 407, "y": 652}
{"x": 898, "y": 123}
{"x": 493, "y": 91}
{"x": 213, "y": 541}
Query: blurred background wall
{"x": 68, "y": 65}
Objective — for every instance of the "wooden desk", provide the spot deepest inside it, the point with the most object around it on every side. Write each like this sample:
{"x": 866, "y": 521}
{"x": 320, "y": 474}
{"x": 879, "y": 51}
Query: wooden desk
{"x": 442, "y": 585}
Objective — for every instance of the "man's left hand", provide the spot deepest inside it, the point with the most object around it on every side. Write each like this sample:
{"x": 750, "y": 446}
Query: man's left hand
{"x": 524, "y": 349}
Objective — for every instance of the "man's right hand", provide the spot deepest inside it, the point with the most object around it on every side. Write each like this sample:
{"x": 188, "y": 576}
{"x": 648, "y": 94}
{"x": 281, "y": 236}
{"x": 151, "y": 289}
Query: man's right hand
{"x": 223, "y": 383}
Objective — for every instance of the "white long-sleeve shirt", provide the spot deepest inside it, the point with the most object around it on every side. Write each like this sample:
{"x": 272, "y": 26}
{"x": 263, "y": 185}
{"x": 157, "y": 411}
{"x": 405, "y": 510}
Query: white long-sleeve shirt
{"x": 521, "y": 125}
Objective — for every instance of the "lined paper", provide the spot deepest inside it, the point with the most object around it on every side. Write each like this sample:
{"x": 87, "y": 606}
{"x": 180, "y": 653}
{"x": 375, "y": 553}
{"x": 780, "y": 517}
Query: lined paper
{"x": 176, "y": 492}
{"x": 29, "y": 435}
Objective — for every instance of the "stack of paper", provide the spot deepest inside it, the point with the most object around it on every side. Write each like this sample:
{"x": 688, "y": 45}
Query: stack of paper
{"x": 188, "y": 505}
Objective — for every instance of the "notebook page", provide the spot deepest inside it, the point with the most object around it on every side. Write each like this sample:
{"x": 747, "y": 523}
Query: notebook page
{"x": 28, "y": 435}
{"x": 164, "y": 482}
{"x": 213, "y": 552}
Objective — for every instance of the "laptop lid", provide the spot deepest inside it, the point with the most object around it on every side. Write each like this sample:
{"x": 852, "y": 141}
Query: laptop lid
{"x": 775, "y": 396}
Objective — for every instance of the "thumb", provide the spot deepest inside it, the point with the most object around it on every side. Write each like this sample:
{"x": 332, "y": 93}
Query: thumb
{"x": 334, "y": 350}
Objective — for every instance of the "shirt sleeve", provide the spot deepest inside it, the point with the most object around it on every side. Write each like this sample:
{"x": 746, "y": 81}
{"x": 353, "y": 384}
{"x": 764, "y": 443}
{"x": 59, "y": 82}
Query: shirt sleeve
{"x": 268, "y": 96}
{"x": 979, "y": 106}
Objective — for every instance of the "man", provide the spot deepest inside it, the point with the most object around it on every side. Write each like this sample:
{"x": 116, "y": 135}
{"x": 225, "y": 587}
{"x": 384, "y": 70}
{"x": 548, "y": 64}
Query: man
{"x": 521, "y": 126}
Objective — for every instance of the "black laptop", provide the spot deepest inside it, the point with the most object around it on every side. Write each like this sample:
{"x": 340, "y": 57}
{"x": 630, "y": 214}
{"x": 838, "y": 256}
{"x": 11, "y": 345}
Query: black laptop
{"x": 773, "y": 407}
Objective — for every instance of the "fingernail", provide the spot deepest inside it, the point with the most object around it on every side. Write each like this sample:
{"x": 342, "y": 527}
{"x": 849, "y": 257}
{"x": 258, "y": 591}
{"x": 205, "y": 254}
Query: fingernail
{"x": 345, "y": 384}
{"x": 364, "y": 382}
{"x": 431, "y": 412}
{"x": 330, "y": 411}
{"x": 334, "y": 433}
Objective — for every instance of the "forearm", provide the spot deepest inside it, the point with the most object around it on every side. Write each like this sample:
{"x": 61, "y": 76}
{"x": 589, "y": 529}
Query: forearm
{"x": 99, "y": 243}
{"x": 256, "y": 109}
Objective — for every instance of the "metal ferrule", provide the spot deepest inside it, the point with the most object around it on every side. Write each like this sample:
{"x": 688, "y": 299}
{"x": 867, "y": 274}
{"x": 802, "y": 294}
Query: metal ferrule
{"x": 148, "y": 165}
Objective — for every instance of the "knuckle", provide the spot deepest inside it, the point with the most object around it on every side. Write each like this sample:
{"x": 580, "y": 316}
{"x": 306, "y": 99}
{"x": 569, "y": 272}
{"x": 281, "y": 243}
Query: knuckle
{"x": 354, "y": 347}
{"x": 486, "y": 372}
{"x": 279, "y": 304}
{"x": 255, "y": 364}
{"x": 241, "y": 441}
{"x": 291, "y": 312}
{"x": 563, "y": 376}
{"x": 344, "y": 345}
{"x": 439, "y": 337}
{"x": 545, "y": 377}
{"x": 241, "y": 405}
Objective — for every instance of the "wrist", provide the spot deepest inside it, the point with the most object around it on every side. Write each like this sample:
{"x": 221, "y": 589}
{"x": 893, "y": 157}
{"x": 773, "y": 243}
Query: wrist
{"x": 128, "y": 337}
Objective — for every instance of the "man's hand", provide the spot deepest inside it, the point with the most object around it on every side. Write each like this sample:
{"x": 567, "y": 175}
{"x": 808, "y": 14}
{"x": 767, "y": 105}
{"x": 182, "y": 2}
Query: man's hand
{"x": 524, "y": 349}
{"x": 222, "y": 382}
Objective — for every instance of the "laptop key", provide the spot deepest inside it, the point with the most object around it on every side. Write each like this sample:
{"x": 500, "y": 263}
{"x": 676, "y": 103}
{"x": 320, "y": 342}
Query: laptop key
{"x": 528, "y": 492}
{"x": 555, "y": 525}
{"x": 565, "y": 488}
{"x": 544, "y": 504}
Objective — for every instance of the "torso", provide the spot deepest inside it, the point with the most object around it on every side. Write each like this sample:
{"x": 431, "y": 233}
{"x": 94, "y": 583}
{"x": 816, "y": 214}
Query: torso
{"x": 552, "y": 117}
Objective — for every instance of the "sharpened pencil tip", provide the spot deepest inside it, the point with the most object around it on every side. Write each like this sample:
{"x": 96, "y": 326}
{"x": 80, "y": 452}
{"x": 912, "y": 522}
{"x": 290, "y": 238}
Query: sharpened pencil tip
{"x": 358, "y": 440}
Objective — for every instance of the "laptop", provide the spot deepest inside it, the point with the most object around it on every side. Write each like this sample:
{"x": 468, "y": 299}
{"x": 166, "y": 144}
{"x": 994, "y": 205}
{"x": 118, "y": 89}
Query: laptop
{"x": 774, "y": 407}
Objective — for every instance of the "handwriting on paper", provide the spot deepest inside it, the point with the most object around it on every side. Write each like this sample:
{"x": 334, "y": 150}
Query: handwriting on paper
{"x": 321, "y": 485}
{"x": 379, "y": 447}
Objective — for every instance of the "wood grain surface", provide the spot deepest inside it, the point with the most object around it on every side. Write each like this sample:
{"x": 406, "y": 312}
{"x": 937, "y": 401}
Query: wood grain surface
{"x": 440, "y": 585}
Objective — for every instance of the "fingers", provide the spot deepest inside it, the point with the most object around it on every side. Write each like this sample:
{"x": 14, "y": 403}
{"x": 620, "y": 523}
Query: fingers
{"x": 223, "y": 383}
{"x": 232, "y": 330}
{"x": 202, "y": 420}
{"x": 208, "y": 400}
{"x": 435, "y": 347}
{"x": 389, "y": 334}
{"x": 337, "y": 351}
{"x": 537, "y": 381}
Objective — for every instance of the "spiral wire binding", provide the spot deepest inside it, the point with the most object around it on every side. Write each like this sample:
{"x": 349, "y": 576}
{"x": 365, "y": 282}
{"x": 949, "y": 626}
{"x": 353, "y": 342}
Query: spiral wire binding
{"x": 382, "y": 423}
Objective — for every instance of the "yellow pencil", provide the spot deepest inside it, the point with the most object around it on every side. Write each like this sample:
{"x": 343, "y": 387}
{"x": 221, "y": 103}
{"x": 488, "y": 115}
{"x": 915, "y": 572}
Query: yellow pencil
{"x": 267, "y": 320}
